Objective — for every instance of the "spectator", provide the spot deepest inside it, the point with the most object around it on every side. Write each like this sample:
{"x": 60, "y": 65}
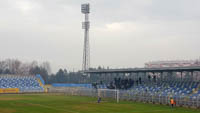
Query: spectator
{"x": 121, "y": 83}
{"x": 149, "y": 77}
{"x": 154, "y": 78}
{"x": 140, "y": 80}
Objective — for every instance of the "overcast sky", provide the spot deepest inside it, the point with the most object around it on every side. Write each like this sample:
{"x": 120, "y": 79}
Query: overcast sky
{"x": 124, "y": 33}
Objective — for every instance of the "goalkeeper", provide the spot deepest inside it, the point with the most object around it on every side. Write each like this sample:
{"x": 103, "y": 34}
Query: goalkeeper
{"x": 99, "y": 99}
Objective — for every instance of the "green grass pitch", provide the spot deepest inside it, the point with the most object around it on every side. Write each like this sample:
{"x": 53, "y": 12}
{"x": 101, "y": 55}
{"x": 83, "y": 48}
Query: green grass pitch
{"x": 49, "y": 103}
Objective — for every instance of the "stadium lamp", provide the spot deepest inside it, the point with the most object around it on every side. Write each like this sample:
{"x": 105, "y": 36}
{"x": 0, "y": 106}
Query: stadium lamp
{"x": 85, "y": 8}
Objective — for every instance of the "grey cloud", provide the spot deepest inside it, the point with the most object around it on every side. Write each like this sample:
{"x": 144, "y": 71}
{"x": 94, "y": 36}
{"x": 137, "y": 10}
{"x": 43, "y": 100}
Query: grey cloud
{"x": 123, "y": 33}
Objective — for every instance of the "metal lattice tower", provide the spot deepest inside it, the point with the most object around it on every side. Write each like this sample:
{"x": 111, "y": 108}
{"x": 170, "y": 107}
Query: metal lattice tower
{"x": 85, "y": 9}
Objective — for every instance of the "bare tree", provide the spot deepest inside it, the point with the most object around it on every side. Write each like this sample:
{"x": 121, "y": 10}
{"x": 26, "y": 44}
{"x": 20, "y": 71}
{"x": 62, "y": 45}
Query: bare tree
{"x": 46, "y": 66}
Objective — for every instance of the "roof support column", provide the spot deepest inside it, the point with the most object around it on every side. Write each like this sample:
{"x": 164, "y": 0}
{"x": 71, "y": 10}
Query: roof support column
{"x": 161, "y": 76}
{"x": 181, "y": 76}
{"x": 192, "y": 73}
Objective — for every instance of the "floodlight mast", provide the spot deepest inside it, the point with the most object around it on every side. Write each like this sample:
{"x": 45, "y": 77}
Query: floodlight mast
{"x": 85, "y": 9}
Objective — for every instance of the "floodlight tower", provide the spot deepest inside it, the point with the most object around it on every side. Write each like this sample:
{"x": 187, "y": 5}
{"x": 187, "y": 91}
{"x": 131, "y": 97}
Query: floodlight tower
{"x": 85, "y": 9}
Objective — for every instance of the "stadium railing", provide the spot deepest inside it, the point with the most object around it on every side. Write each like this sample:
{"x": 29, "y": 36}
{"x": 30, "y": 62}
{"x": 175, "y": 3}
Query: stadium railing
{"x": 131, "y": 95}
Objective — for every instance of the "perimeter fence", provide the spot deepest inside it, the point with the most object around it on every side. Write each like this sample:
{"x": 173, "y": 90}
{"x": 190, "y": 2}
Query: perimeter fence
{"x": 129, "y": 95}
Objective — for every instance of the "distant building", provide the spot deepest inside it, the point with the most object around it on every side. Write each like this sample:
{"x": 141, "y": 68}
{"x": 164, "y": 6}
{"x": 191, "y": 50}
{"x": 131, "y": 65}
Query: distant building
{"x": 173, "y": 63}
{"x": 176, "y": 63}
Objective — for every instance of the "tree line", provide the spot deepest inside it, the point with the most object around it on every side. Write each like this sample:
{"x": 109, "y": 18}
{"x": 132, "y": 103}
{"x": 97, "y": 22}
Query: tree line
{"x": 17, "y": 67}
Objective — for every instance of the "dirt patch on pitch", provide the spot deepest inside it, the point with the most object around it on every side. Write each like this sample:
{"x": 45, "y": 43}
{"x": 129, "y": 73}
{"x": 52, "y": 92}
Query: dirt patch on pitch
{"x": 9, "y": 98}
{"x": 6, "y": 110}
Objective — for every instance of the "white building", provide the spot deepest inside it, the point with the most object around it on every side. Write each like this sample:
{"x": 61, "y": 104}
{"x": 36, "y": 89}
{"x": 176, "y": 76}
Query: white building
{"x": 173, "y": 63}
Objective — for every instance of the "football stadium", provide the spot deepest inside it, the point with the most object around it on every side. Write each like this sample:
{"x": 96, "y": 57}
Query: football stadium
{"x": 115, "y": 91}
{"x": 126, "y": 34}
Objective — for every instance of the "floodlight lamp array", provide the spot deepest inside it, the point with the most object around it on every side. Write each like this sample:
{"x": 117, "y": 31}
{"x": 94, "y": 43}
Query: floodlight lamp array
{"x": 85, "y": 8}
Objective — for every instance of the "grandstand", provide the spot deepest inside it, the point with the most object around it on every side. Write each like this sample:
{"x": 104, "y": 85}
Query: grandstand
{"x": 21, "y": 84}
